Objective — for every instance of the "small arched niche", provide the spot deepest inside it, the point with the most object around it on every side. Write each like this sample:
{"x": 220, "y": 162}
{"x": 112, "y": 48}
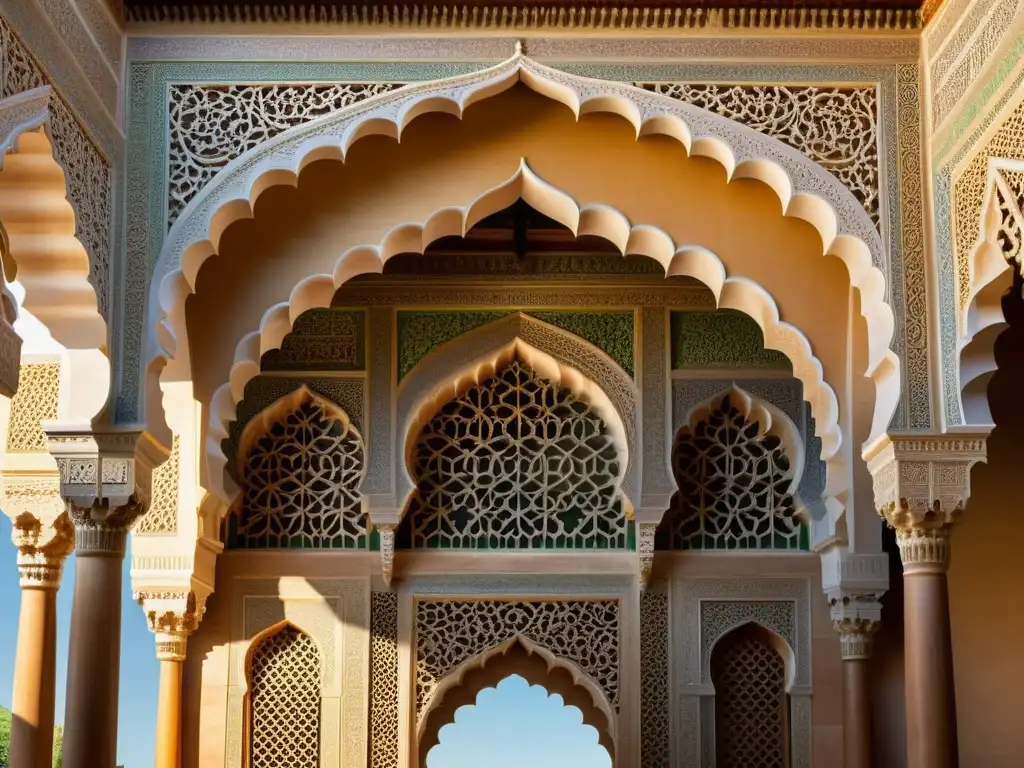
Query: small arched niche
{"x": 515, "y": 461}
{"x": 736, "y": 465}
{"x": 284, "y": 669}
{"x": 518, "y": 657}
{"x": 750, "y": 677}
{"x": 300, "y": 463}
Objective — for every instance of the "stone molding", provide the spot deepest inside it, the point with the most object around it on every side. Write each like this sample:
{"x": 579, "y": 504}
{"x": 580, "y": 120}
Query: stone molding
{"x": 172, "y": 615}
{"x": 43, "y": 546}
{"x": 921, "y": 485}
{"x": 105, "y": 479}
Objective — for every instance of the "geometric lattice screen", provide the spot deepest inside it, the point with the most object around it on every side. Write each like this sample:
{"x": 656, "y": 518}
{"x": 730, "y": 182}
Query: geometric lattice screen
{"x": 516, "y": 462}
{"x": 300, "y": 483}
{"x": 733, "y": 485}
{"x": 751, "y": 709}
{"x": 284, "y": 701}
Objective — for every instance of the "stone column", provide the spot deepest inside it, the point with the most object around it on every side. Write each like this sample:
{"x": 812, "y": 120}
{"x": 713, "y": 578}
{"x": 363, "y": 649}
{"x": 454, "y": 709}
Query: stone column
{"x": 855, "y": 637}
{"x": 172, "y": 615}
{"x": 921, "y": 485}
{"x": 105, "y": 480}
{"x": 42, "y": 549}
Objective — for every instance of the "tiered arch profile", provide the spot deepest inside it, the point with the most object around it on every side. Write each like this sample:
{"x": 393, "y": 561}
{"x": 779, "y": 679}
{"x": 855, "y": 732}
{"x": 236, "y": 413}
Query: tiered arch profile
{"x": 737, "y": 465}
{"x": 804, "y": 189}
{"x": 300, "y": 462}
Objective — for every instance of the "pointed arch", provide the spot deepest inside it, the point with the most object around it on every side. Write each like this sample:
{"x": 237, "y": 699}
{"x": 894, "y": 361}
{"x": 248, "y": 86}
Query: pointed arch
{"x": 997, "y": 253}
{"x": 737, "y": 463}
{"x": 300, "y": 464}
{"x": 38, "y": 225}
{"x": 730, "y": 292}
{"x": 804, "y": 190}
{"x": 538, "y": 666}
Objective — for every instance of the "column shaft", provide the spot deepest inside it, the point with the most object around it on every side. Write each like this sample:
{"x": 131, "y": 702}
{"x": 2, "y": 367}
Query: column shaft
{"x": 856, "y": 714}
{"x": 34, "y": 680}
{"x": 168, "y": 715}
{"x": 90, "y": 729}
{"x": 931, "y": 708}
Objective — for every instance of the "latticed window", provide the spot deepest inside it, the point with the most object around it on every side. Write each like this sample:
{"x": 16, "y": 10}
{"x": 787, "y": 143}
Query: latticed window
{"x": 300, "y": 481}
{"x": 515, "y": 462}
{"x": 284, "y": 701}
{"x": 733, "y": 483}
{"x": 751, "y": 704}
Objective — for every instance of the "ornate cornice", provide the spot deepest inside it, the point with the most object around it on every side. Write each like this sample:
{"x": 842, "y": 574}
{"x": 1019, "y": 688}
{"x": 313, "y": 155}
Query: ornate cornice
{"x": 519, "y": 16}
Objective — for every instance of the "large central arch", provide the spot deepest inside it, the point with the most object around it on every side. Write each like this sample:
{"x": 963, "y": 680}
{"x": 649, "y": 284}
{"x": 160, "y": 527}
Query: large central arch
{"x": 804, "y": 190}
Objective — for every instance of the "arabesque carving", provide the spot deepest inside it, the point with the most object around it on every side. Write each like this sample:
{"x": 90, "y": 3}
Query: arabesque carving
{"x": 162, "y": 516}
{"x": 655, "y": 745}
{"x": 301, "y": 462}
{"x": 384, "y": 695}
{"x": 35, "y": 402}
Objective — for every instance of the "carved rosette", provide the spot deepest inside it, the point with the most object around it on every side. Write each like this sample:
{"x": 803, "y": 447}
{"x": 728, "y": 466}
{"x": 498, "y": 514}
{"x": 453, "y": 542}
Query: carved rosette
{"x": 172, "y": 615}
{"x": 645, "y": 551}
{"x": 105, "y": 480}
{"x": 42, "y": 549}
{"x": 921, "y": 485}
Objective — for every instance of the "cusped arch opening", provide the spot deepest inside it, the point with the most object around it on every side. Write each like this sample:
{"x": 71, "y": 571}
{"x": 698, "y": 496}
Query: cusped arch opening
{"x": 244, "y": 179}
{"x": 737, "y": 462}
{"x": 514, "y": 450}
{"x": 535, "y": 664}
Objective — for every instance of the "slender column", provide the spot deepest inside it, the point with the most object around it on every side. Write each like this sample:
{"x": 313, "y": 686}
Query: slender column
{"x": 90, "y": 722}
{"x": 855, "y": 638}
{"x": 42, "y": 550}
{"x": 931, "y": 707}
{"x": 173, "y": 614}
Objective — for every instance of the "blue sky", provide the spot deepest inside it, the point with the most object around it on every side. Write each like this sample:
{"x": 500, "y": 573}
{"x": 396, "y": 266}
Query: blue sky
{"x": 139, "y": 668}
{"x": 533, "y": 728}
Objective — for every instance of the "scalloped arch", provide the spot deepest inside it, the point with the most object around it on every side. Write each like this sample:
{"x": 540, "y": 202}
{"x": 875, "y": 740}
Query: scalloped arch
{"x": 40, "y": 249}
{"x": 573, "y": 681}
{"x": 804, "y": 189}
{"x": 991, "y": 268}
{"x": 604, "y": 221}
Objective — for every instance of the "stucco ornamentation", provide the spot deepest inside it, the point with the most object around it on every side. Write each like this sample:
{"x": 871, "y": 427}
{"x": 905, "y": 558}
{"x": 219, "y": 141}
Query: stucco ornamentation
{"x": 384, "y": 695}
{"x": 452, "y": 632}
{"x": 655, "y": 738}
{"x": 172, "y": 615}
{"x": 162, "y": 516}
{"x": 87, "y": 172}
{"x": 35, "y": 402}
{"x": 43, "y": 544}
{"x": 921, "y": 485}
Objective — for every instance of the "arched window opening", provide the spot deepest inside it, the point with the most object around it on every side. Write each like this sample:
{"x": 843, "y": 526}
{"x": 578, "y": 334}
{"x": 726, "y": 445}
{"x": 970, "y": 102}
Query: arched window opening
{"x": 751, "y": 703}
{"x": 300, "y": 466}
{"x": 284, "y": 701}
{"x": 516, "y": 462}
{"x": 733, "y": 482}
{"x": 515, "y": 724}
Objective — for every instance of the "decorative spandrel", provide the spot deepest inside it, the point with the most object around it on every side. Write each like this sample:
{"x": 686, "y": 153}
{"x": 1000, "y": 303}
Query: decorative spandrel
{"x": 284, "y": 690}
{"x": 733, "y": 482}
{"x": 516, "y": 462}
{"x": 300, "y": 477}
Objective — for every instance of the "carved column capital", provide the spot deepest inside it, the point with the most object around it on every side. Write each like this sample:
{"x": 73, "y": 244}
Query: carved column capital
{"x": 856, "y": 637}
{"x": 105, "y": 479}
{"x": 921, "y": 484}
{"x": 173, "y": 615}
{"x": 43, "y": 546}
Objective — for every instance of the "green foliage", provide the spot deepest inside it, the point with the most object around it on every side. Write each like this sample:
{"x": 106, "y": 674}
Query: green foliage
{"x": 721, "y": 340}
{"x": 58, "y": 746}
{"x": 421, "y": 331}
{"x": 5, "y": 738}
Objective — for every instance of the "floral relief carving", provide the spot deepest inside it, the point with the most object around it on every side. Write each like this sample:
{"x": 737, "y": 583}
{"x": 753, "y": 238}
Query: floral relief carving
{"x": 835, "y": 127}
{"x": 211, "y": 125}
{"x": 515, "y": 462}
{"x": 162, "y": 516}
{"x": 300, "y": 472}
{"x": 451, "y": 632}
{"x": 86, "y": 171}
{"x": 34, "y": 402}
